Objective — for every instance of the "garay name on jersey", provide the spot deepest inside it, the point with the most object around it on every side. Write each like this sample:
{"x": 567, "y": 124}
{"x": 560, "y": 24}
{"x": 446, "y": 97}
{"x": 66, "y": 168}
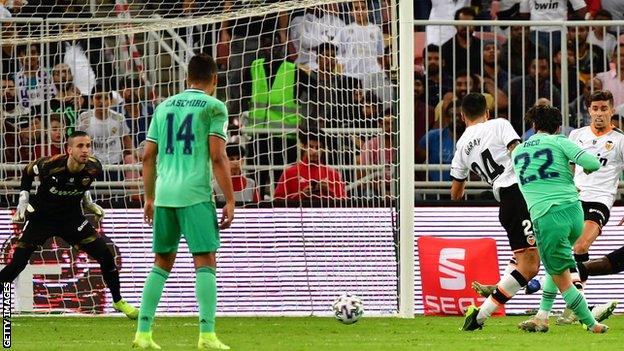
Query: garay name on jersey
{"x": 186, "y": 103}
{"x": 471, "y": 145}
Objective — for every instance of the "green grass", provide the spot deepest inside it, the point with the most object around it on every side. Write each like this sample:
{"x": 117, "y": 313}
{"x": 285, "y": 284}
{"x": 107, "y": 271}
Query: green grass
{"x": 257, "y": 334}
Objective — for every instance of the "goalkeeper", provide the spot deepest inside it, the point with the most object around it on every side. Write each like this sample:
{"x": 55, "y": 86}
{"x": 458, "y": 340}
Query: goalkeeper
{"x": 58, "y": 208}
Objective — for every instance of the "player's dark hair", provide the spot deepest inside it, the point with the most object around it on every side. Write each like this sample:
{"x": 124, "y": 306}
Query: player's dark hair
{"x": 76, "y": 134}
{"x": 234, "y": 150}
{"x": 545, "y": 118}
{"x": 468, "y": 11}
{"x": 202, "y": 68}
{"x": 473, "y": 106}
{"x": 600, "y": 95}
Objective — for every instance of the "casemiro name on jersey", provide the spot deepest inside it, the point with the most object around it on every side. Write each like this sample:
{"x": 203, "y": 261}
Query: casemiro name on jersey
{"x": 186, "y": 103}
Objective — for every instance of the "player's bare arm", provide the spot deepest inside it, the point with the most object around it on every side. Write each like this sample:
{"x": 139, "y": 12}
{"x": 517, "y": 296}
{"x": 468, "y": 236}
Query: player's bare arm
{"x": 149, "y": 179}
{"x": 221, "y": 168}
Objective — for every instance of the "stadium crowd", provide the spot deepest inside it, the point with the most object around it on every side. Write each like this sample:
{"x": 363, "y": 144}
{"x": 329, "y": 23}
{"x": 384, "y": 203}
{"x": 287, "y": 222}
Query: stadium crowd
{"x": 312, "y": 73}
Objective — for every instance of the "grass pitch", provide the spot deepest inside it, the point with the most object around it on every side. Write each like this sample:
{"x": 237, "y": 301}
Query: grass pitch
{"x": 258, "y": 334}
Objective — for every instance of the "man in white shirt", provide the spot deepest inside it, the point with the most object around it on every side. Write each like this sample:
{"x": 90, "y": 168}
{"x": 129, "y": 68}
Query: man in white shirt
{"x": 317, "y": 26}
{"x": 549, "y": 10}
{"x": 443, "y": 10}
{"x": 597, "y": 190}
{"x": 361, "y": 52}
{"x": 108, "y": 130}
{"x": 600, "y": 37}
{"x": 484, "y": 148}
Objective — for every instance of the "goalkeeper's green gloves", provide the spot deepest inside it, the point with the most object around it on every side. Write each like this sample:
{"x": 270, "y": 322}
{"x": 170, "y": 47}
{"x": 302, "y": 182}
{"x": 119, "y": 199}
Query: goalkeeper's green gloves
{"x": 91, "y": 207}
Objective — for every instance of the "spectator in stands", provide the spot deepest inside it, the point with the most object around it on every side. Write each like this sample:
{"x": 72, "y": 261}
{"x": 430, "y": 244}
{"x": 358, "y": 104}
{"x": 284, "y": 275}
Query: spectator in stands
{"x": 86, "y": 58}
{"x": 579, "y": 114}
{"x": 361, "y": 52}
{"x": 379, "y": 151}
{"x": 424, "y": 116}
{"x": 30, "y": 136}
{"x": 310, "y": 178}
{"x": 590, "y": 58}
{"x": 245, "y": 189}
{"x": 8, "y": 8}
{"x": 108, "y": 130}
{"x": 600, "y": 37}
{"x": 443, "y": 10}
{"x": 613, "y": 80}
{"x": 615, "y": 8}
{"x": 33, "y": 82}
{"x": 518, "y": 50}
{"x": 243, "y": 37}
{"x": 438, "y": 81}
{"x": 15, "y": 118}
{"x": 68, "y": 101}
{"x": 370, "y": 109}
{"x": 278, "y": 86}
{"x": 53, "y": 144}
{"x": 465, "y": 84}
{"x": 330, "y": 97}
{"x": 438, "y": 145}
{"x": 553, "y": 10}
{"x": 565, "y": 130}
{"x": 7, "y": 53}
{"x": 492, "y": 71}
{"x": 575, "y": 85}
{"x": 136, "y": 109}
{"x": 318, "y": 25}
{"x": 463, "y": 51}
{"x": 537, "y": 81}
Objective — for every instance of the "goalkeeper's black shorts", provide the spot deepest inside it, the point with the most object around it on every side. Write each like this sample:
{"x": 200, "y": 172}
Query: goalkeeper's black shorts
{"x": 75, "y": 230}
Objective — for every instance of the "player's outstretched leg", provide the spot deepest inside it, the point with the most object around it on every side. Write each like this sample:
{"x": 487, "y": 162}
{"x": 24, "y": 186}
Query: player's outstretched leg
{"x": 100, "y": 252}
{"x": 152, "y": 292}
{"x": 21, "y": 255}
{"x": 509, "y": 285}
{"x": 206, "y": 293}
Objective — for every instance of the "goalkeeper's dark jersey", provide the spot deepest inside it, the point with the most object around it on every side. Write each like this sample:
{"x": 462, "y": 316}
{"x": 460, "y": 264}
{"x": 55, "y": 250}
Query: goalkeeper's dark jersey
{"x": 60, "y": 192}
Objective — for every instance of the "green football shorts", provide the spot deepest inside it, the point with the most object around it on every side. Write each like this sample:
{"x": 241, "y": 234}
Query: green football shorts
{"x": 198, "y": 223}
{"x": 556, "y": 232}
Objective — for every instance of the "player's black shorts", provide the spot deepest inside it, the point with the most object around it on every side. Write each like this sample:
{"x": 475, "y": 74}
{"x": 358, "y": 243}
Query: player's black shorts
{"x": 596, "y": 212}
{"x": 514, "y": 217}
{"x": 37, "y": 229}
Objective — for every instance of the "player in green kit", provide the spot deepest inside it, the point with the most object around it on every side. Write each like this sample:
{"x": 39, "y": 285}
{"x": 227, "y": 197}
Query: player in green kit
{"x": 546, "y": 181}
{"x": 185, "y": 145}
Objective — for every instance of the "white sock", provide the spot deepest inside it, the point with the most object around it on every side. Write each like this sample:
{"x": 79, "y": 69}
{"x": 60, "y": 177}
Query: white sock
{"x": 506, "y": 288}
{"x": 541, "y": 314}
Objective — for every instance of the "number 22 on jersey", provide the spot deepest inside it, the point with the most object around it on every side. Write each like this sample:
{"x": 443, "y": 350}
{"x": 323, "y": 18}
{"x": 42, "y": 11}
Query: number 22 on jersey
{"x": 184, "y": 133}
{"x": 542, "y": 171}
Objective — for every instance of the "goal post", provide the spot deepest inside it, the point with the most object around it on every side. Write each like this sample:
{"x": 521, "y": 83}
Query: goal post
{"x": 319, "y": 139}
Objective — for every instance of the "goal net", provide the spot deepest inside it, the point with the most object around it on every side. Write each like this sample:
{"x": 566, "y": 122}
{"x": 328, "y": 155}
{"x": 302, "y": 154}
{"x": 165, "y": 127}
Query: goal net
{"x": 312, "y": 93}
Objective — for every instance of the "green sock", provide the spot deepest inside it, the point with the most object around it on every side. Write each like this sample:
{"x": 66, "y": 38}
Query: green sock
{"x": 576, "y": 302}
{"x": 549, "y": 293}
{"x": 206, "y": 293}
{"x": 152, "y": 291}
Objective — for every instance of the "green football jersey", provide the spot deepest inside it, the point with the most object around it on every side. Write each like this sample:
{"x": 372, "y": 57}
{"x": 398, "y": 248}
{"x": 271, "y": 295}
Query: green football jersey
{"x": 542, "y": 167}
{"x": 181, "y": 126}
